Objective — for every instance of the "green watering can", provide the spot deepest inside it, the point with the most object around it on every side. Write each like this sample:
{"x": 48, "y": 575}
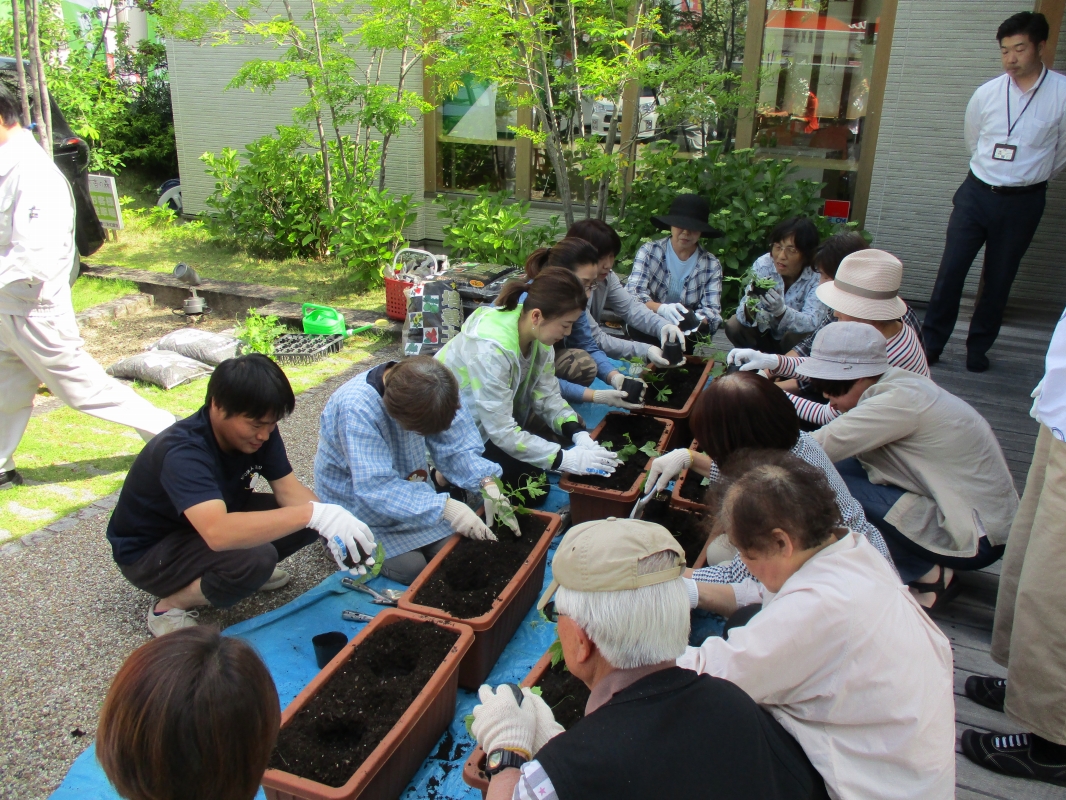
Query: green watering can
{"x": 326, "y": 321}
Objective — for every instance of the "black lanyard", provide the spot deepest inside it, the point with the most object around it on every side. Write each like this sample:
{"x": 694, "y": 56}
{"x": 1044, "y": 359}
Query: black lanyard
{"x": 1010, "y": 128}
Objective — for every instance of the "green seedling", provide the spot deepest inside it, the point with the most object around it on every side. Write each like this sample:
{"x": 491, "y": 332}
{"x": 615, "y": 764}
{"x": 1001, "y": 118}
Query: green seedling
{"x": 374, "y": 571}
{"x": 531, "y": 488}
{"x": 663, "y": 394}
{"x": 557, "y": 654}
{"x": 630, "y": 449}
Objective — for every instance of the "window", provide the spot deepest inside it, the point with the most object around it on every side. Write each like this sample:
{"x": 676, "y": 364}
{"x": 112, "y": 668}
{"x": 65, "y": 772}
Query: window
{"x": 474, "y": 146}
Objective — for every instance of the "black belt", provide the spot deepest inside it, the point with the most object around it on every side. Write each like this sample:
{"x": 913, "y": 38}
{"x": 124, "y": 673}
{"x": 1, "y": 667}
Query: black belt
{"x": 1033, "y": 187}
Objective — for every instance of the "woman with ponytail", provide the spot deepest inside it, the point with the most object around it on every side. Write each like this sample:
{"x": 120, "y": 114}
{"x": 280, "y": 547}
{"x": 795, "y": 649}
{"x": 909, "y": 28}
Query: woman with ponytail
{"x": 505, "y": 361}
{"x": 578, "y": 358}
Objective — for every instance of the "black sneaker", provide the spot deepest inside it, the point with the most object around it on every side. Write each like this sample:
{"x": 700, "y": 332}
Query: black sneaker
{"x": 1009, "y": 754}
{"x": 10, "y": 478}
{"x": 989, "y": 692}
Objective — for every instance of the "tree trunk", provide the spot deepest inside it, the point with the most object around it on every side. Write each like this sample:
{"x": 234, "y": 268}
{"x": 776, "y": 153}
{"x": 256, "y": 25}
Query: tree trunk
{"x": 20, "y": 67}
{"x": 329, "y": 94}
{"x": 41, "y": 108}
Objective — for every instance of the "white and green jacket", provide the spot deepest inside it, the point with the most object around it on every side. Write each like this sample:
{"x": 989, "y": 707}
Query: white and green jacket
{"x": 485, "y": 359}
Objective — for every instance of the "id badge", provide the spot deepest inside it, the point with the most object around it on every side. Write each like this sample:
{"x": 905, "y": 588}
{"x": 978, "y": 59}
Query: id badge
{"x": 1004, "y": 152}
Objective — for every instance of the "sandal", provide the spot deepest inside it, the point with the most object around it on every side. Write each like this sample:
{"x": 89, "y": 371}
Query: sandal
{"x": 942, "y": 593}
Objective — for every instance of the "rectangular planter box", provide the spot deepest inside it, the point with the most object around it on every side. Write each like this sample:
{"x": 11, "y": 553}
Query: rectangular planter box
{"x": 675, "y": 496}
{"x": 591, "y": 502}
{"x": 494, "y": 629}
{"x": 474, "y": 768}
{"x": 680, "y": 416}
{"x": 388, "y": 770}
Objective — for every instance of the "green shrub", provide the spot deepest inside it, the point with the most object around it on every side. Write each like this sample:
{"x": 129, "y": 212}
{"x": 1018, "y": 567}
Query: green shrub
{"x": 748, "y": 196}
{"x": 273, "y": 202}
{"x": 490, "y": 229}
{"x": 258, "y": 333}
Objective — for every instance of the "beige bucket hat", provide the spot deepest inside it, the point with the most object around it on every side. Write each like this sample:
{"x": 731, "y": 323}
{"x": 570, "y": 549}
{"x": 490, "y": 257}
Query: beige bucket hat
{"x": 843, "y": 351}
{"x": 866, "y": 287}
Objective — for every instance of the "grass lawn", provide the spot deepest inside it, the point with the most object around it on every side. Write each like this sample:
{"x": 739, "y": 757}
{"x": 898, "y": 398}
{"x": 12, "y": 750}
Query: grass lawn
{"x": 70, "y": 459}
{"x": 88, "y": 291}
{"x": 157, "y": 246}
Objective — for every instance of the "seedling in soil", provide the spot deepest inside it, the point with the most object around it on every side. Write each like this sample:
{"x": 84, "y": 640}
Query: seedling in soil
{"x": 630, "y": 449}
{"x": 531, "y": 488}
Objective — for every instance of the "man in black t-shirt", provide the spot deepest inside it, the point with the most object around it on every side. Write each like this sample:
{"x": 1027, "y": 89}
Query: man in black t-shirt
{"x": 651, "y": 729}
{"x": 188, "y": 527}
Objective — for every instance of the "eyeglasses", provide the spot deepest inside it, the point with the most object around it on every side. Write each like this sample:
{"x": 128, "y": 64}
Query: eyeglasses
{"x": 550, "y": 612}
{"x": 787, "y": 250}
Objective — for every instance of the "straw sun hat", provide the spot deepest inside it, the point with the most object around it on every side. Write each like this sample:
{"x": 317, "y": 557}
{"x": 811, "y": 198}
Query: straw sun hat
{"x": 866, "y": 287}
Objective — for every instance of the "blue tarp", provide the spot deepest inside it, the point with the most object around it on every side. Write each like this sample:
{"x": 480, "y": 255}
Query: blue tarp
{"x": 283, "y": 638}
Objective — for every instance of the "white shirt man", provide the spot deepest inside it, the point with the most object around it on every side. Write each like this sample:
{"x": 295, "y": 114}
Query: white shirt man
{"x": 1016, "y": 134}
{"x": 39, "y": 339}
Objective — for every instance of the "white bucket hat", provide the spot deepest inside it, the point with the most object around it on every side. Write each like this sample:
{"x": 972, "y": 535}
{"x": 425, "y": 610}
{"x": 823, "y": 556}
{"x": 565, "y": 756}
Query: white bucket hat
{"x": 866, "y": 286}
{"x": 844, "y": 351}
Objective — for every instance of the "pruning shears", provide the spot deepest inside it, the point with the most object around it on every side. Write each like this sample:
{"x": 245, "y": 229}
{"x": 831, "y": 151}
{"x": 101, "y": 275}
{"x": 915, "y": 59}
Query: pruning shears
{"x": 376, "y": 597}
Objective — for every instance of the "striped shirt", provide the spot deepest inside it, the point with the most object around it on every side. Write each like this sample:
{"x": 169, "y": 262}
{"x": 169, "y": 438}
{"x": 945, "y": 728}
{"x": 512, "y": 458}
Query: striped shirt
{"x": 534, "y": 784}
{"x": 904, "y": 351}
{"x": 804, "y": 347}
{"x": 851, "y": 515}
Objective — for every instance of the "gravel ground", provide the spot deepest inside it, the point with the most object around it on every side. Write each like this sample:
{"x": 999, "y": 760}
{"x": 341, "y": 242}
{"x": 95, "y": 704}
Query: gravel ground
{"x": 70, "y": 620}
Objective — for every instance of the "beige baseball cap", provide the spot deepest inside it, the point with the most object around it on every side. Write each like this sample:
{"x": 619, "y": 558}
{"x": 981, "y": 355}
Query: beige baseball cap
{"x": 602, "y": 556}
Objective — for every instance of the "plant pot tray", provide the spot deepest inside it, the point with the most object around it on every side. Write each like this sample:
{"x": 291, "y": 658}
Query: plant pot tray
{"x": 474, "y": 768}
{"x": 388, "y": 769}
{"x": 589, "y": 501}
{"x": 685, "y": 493}
{"x": 305, "y": 348}
{"x": 494, "y": 628}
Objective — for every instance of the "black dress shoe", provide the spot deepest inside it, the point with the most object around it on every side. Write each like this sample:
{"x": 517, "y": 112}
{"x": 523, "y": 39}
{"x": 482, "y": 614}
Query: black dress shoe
{"x": 1009, "y": 754}
{"x": 977, "y": 363}
{"x": 988, "y": 692}
{"x": 10, "y": 478}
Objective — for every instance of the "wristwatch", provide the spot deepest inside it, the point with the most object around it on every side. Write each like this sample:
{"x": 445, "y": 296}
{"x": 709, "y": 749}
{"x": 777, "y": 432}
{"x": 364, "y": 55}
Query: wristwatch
{"x": 499, "y": 760}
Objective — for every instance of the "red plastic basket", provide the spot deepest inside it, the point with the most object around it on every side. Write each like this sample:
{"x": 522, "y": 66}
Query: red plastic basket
{"x": 395, "y": 301}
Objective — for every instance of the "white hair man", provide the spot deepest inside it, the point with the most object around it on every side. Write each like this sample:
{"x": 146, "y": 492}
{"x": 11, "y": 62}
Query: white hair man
{"x": 650, "y": 728}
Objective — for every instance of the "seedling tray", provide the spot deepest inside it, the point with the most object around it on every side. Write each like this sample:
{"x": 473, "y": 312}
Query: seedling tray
{"x": 494, "y": 629}
{"x": 589, "y": 502}
{"x": 474, "y": 768}
{"x": 391, "y": 765}
{"x": 306, "y": 348}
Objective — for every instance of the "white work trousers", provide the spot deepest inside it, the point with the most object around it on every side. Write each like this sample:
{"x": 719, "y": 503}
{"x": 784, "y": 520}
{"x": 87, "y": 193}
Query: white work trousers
{"x": 49, "y": 350}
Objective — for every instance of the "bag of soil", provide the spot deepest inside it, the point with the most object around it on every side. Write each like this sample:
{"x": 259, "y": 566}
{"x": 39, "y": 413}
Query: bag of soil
{"x": 210, "y": 348}
{"x": 434, "y": 316}
{"x": 163, "y": 368}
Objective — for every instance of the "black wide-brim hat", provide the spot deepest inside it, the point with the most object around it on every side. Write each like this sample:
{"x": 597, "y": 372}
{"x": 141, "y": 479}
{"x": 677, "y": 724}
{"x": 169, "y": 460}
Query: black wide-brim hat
{"x": 688, "y": 211}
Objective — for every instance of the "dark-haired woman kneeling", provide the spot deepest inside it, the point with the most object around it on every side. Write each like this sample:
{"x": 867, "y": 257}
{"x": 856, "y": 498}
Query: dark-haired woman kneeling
{"x": 505, "y": 362}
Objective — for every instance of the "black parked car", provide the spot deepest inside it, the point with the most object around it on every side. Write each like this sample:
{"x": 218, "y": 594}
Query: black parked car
{"x": 71, "y": 154}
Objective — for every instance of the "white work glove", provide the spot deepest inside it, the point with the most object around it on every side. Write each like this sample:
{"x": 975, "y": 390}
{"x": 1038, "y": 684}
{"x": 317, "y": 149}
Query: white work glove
{"x": 671, "y": 333}
{"x": 667, "y": 467}
{"x": 671, "y": 312}
{"x": 501, "y": 724}
{"x": 465, "y": 522}
{"x": 498, "y": 508}
{"x": 584, "y": 441}
{"x": 693, "y": 592}
{"x": 547, "y": 727}
{"x": 579, "y": 461}
{"x": 773, "y": 302}
{"x": 1036, "y": 398}
{"x": 656, "y": 357}
{"x": 346, "y": 537}
{"x": 613, "y": 397}
{"x": 751, "y": 360}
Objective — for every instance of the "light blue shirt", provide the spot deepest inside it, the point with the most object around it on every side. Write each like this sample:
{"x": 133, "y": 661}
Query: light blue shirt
{"x": 679, "y": 271}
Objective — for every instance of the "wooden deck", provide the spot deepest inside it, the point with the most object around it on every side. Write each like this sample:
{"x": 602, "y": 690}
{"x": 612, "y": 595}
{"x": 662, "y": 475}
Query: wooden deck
{"x": 1001, "y": 395}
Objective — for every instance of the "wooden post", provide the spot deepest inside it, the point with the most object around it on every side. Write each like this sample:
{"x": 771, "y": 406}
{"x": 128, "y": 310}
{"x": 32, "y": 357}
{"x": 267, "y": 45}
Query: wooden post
{"x": 1052, "y": 9}
{"x": 752, "y": 69}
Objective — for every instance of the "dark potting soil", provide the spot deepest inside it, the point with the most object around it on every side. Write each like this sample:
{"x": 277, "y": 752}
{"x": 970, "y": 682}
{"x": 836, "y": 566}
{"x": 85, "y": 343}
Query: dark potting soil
{"x": 692, "y": 488}
{"x": 565, "y": 694}
{"x": 688, "y": 527}
{"x": 680, "y": 380}
{"x": 336, "y": 732}
{"x": 641, "y": 429}
{"x": 473, "y": 574}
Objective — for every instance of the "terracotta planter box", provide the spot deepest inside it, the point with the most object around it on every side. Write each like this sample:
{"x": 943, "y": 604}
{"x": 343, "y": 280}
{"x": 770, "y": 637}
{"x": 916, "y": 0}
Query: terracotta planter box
{"x": 474, "y": 768}
{"x": 682, "y": 432}
{"x": 591, "y": 502}
{"x": 392, "y": 764}
{"x": 492, "y": 630}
